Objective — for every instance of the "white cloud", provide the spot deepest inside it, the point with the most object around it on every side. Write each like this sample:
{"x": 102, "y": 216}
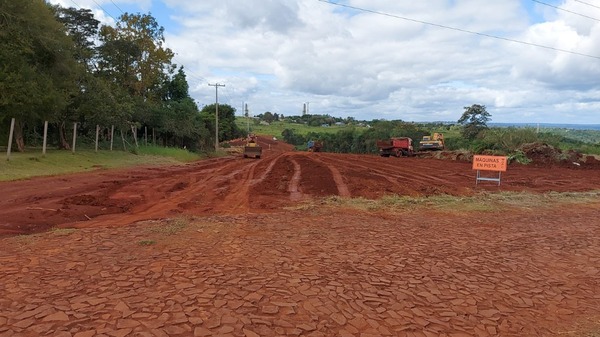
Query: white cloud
{"x": 278, "y": 54}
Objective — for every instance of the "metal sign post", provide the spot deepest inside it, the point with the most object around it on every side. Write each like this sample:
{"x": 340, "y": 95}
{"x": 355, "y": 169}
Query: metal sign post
{"x": 489, "y": 163}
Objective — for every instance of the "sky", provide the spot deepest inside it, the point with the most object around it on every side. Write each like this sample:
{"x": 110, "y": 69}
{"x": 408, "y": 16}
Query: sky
{"x": 527, "y": 61}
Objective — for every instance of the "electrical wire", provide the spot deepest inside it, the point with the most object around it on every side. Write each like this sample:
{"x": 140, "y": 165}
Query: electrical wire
{"x": 104, "y": 10}
{"x": 188, "y": 72}
{"x": 585, "y": 3}
{"x": 458, "y": 29}
{"x": 565, "y": 10}
{"x": 119, "y": 8}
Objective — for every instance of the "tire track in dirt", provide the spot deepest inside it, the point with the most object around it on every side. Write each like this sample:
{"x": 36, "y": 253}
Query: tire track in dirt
{"x": 239, "y": 199}
{"x": 272, "y": 190}
{"x": 316, "y": 179}
{"x": 337, "y": 177}
{"x": 408, "y": 181}
{"x": 197, "y": 188}
{"x": 293, "y": 188}
{"x": 235, "y": 185}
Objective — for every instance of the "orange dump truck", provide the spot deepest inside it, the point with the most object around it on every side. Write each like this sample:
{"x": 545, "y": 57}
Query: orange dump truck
{"x": 398, "y": 147}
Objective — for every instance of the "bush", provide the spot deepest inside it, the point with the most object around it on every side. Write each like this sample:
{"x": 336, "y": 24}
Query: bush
{"x": 519, "y": 157}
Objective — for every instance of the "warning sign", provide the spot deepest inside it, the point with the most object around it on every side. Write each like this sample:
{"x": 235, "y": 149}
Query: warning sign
{"x": 490, "y": 163}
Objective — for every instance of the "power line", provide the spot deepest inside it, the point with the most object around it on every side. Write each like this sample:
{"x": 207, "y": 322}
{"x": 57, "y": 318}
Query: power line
{"x": 190, "y": 74}
{"x": 565, "y": 10}
{"x": 119, "y": 8}
{"x": 459, "y": 29}
{"x": 104, "y": 10}
{"x": 589, "y": 4}
{"x": 73, "y": 1}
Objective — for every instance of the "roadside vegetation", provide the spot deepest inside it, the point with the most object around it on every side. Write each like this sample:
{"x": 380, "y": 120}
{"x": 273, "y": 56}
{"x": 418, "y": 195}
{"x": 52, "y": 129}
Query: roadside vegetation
{"x": 470, "y": 133}
{"x": 61, "y": 66}
{"x": 482, "y": 202}
{"x": 30, "y": 164}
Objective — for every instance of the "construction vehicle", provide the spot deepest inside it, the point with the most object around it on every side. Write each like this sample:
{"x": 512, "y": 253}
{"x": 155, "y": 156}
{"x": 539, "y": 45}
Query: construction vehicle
{"x": 398, "y": 147}
{"x": 314, "y": 146}
{"x": 252, "y": 149}
{"x": 432, "y": 143}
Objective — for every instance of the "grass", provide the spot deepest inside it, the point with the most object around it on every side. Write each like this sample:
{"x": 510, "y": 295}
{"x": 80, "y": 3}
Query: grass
{"x": 275, "y": 128}
{"x": 483, "y": 202}
{"x": 171, "y": 226}
{"x": 181, "y": 155}
{"x": 31, "y": 163}
{"x": 146, "y": 242}
{"x": 63, "y": 231}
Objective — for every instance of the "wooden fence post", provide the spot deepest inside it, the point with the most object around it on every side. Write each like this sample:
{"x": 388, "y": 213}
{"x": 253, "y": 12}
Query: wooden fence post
{"x": 74, "y": 136}
{"x": 10, "y": 137}
{"x": 123, "y": 139}
{"x": 97, "y": 133}
{"x": 112, "y": 134}
{"x": 45, "y": 138}
{"x": 134, "y": 131}
{"x": 146, "y": 135}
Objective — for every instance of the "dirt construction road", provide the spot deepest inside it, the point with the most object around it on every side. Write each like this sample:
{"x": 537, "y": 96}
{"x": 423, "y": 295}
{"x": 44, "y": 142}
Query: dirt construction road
{"x": 229, "y": 247}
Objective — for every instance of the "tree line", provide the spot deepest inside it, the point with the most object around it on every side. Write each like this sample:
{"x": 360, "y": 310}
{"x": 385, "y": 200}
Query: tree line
{"x": 472, "y": 132}
{"x": 60, "y": 65}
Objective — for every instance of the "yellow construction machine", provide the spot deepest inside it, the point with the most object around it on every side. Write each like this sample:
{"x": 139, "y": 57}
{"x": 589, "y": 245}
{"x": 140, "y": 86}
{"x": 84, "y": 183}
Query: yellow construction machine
{"x": 252, "y": 149}
{"x": 432, "y": 143}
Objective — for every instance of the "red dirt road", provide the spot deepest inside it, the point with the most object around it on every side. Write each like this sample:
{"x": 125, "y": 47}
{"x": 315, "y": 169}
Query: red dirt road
{"x": 235, "y": 185}
{"x": 246, "y": 262}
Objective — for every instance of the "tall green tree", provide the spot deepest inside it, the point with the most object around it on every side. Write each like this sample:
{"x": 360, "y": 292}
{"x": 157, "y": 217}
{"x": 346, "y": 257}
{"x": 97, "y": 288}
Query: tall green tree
{"x": 181, "y": 122}
{"x": 92, "y": 98}
{"x": 82, "y": 28}
{"x": 474, "y": 120}
{"x": 36, "y": 64}
{"x": 177, "y": 88}
{"x": 133, "y": 53}
{"x": 228, "y": 129}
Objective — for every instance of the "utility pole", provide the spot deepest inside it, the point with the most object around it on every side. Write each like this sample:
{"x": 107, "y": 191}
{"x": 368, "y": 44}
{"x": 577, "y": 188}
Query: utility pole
{"x": 216, "y": 85}
{"x": 247, "y": 117}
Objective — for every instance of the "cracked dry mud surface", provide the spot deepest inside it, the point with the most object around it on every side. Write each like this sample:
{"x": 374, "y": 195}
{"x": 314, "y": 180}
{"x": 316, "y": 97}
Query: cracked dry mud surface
{"x": 220, "y": 248}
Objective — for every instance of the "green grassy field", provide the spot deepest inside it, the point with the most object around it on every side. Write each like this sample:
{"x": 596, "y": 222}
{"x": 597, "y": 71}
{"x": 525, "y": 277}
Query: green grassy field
{"x": 31, "y": 163}
{"x": 275, "y": 128}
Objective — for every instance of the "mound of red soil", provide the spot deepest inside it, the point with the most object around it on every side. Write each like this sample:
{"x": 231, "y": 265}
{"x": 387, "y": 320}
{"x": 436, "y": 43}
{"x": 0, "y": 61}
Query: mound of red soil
{"x": 541, "y": 153}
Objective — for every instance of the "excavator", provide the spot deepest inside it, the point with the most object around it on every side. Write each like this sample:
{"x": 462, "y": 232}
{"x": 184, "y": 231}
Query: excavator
{"x": 252, "y": 149}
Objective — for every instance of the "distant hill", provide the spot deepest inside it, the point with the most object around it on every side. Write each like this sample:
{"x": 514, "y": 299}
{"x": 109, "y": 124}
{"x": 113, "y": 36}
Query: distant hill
{"x": 549, "y": 126}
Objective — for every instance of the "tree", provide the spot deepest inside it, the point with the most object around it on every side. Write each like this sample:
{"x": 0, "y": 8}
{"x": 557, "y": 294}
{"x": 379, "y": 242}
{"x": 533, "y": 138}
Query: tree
{"x": 268, "y": 117}
{"x": 177, "y": 88}
{"x": 82, "y": 27}
{"x": 474, "y": 120}
{"x": 36, "y": 64}
{"x": 90, "y": 97}
{"x": 228, "y": 129}
{"x": 133, "y": 54}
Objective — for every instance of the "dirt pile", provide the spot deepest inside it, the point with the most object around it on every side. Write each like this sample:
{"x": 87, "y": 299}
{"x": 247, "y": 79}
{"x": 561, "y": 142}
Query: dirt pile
{"x": 540, "y": 153}
{"x": 543, "y": 154}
